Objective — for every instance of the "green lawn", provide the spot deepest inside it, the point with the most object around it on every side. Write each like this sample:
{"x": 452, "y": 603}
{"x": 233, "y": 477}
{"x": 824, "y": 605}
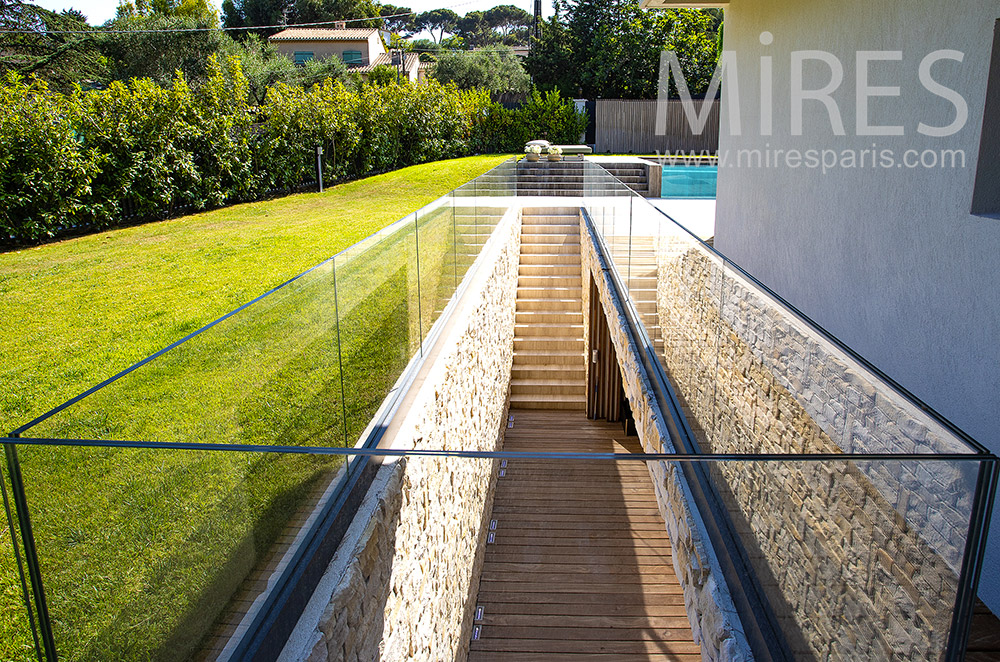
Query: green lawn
{"x": 130, "y": 541}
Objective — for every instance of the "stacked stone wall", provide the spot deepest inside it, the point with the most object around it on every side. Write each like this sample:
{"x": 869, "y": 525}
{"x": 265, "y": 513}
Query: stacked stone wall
{"x": 860, "y": 559}
{"x": 404, "y": 591}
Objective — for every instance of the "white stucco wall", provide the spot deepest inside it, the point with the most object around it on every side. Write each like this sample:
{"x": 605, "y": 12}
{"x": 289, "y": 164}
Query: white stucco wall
{"x": 888, "y": 259}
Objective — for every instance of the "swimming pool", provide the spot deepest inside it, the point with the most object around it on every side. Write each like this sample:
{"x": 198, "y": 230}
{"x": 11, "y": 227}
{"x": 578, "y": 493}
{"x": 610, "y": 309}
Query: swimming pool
{"x": 686, "y": 181}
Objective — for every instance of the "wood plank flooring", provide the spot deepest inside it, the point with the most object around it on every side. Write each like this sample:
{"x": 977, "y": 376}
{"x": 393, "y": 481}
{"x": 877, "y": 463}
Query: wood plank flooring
{"x": 984, "y": 640}
{"x": 580, "y": 565}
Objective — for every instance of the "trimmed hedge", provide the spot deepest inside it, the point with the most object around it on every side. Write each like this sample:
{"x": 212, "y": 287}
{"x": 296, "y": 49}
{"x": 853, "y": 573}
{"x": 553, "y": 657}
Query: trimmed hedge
{"x": 90, "y": 160}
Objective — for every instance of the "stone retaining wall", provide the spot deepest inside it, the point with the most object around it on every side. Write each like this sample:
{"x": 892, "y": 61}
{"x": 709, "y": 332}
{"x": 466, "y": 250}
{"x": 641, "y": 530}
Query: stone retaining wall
{"x": 860, "y": 559}
{"x": 402, "y": 586}
{"x": 713, "y": 617}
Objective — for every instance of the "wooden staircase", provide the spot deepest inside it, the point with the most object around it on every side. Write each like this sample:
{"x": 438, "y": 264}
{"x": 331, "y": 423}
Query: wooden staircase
{"x": 548, "y": 370}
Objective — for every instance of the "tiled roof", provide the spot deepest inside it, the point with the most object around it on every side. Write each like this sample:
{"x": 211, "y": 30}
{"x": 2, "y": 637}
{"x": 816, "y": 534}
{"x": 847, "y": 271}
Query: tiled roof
{"x": 323, "y": 34}
{"x": 386, "y": 59}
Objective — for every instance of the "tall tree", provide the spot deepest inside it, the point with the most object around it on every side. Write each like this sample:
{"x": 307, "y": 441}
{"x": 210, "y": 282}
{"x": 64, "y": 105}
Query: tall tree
{"x": 40, "y": 48}
{"x": 156, "y": 46}
{"x": 508, "y": 21}
{"x": 399, "y": 20}
{"x": 473, "y": 30}
{"x": 442, "y": 20}
{"x": 316, "y": 11}
{"x": 496, "y": 69}
{"x": 611, "y": 48}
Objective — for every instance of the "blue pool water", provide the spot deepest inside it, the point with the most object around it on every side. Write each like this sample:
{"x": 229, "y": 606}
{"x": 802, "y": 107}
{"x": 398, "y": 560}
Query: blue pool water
{"x": 686, "y": 181}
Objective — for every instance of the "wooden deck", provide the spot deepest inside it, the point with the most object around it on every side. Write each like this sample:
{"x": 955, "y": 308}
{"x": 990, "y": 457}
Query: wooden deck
{"x": 580, "y": 564}
{"x": 984, "y": 641}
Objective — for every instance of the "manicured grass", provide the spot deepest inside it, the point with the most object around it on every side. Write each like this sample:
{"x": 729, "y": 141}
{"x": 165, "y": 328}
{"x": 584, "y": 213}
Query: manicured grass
{"x": 111, "y": 523}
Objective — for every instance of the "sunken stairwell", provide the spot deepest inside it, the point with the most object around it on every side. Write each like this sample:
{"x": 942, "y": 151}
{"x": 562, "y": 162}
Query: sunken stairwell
{"x": 548, "y": 369}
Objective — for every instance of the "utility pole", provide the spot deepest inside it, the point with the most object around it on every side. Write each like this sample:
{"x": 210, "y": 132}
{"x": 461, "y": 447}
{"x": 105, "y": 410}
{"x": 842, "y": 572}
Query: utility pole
{"x": 536, "y": 27}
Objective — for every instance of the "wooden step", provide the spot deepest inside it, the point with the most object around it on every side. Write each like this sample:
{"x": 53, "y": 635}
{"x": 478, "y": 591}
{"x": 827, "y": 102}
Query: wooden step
{"x": 565, "y": 248}
{"x": 548, "y": 304}
{"x": 555, "y": 343}
{"x": 536, "y": 357}
{"x": 549, "y": 270}
{"x": 568, "y": 372}
{"x": 554, "y": 259}
{"x": 535, "y": 329}
{"x": 561, "y": 318}
{"x": 553, "y": 401}
{"x": 555, "y": 281}
{"x": 532, "y": 292}
{"x": 545, "y": 387}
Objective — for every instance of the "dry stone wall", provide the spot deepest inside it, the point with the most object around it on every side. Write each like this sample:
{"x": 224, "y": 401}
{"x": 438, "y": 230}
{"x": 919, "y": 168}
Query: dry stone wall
{"x": 403, "y": 593}
{"x": 860, "y": 559}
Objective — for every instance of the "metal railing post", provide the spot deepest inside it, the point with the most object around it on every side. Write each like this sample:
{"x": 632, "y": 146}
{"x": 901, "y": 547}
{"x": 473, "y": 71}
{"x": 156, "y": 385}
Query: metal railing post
{"x": 30, "y": 552}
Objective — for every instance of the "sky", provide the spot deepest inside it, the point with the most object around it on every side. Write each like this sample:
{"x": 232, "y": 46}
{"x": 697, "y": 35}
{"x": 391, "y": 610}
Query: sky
{"x": 99, "y": 11}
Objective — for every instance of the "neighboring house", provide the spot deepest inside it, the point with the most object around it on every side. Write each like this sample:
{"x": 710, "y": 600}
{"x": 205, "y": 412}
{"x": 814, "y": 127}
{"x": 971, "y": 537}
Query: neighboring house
{"x": 889, "y": 246}
{"x": 361, "y": 49}
{"x": 355, "y": 46}
{"x": 408, "y": 68}
{"x": 425, "y": 70}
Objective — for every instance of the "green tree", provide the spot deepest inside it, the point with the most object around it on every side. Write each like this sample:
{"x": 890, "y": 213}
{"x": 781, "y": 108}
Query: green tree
{"x": 473, "y": 30}
{"x": 399, "y": 20}
{"x": 263, "y": 66}
{"x": 496, "y": 69}
{"x": 196, "y": 9}
{"x": 508, "y": 23}
{"x": 42, "y": 50}
{"x": 442, "y": 20}
{"x": 611, "y": 48}
{"x": 316, "y": 11}
{"x": 428, "y": 49}
{"x": 151, "y": 47}
{"x": 249, "y": 13}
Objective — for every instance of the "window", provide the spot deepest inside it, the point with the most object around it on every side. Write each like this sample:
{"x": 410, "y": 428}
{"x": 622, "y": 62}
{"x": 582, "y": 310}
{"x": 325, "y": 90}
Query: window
{"x": 353, "y": 58}
{"x": 986, "y": 193}
{"x": 301, "y": 57}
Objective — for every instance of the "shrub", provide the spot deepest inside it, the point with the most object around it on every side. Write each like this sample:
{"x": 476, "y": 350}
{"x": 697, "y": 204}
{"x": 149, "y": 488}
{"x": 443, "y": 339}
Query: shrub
{"x": 139, "y": 151}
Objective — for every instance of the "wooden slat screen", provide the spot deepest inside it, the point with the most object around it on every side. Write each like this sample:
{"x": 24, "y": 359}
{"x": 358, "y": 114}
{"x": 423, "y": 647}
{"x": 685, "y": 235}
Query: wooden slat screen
{"x": 628, "y": 126}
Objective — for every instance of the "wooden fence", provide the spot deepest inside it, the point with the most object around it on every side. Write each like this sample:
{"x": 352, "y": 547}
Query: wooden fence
{"x": 628, "y": 126}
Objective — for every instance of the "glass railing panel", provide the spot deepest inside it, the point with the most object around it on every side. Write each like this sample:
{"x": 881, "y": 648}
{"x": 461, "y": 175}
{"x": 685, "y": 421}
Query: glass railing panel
{"x": 440, "y": 271}
{"x": 379, "y": 305}
{"x": 687, "y": 309}
{"x": 851, "y": 572}
{"x": 850, "y": 408}
{"x": 154, "y": 554}
{"x": 267, "y": 374}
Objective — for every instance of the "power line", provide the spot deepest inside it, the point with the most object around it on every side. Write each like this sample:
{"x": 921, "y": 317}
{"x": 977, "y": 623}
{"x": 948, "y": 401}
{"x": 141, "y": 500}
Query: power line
{"x": 224, "y": 29}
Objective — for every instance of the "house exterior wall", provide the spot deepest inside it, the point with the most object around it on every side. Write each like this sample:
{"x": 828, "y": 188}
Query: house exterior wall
{"x": 889, "y": 259}
{"x": 321, "y": 50}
